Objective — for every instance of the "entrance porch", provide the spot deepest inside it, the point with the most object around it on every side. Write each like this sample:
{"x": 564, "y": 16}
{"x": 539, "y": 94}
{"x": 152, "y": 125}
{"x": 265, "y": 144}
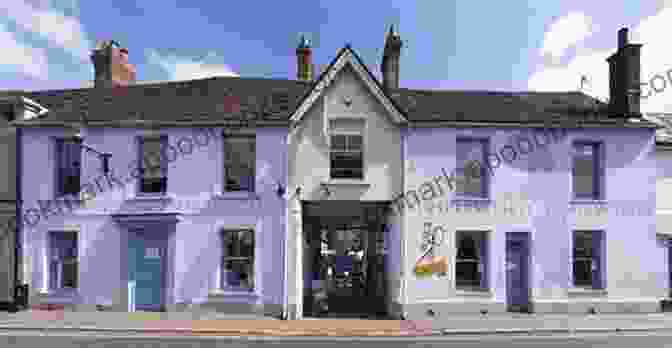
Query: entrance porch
{"x": 344, "y": 259}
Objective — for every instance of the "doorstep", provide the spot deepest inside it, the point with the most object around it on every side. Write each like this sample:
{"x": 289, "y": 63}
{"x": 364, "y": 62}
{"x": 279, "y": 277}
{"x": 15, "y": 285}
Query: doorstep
{"x": 666, "y": 305}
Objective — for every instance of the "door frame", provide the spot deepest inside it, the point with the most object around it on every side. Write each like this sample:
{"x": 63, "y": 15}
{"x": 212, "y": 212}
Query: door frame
{"x": 526, "y": 239}
{"x": 142, "y": 233}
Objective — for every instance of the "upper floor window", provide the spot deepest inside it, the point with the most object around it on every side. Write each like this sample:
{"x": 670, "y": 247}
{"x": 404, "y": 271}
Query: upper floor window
{"x": 346, "y": 156}
{"x": 239, "y": 162}
{"x": 587, "y": 171}
{"x": 63, "y": 264}
{"x": 470, "y": 173}
{"x": 237, "y": 260}
{"x": 69, "y": 159}
{"x": 588, "y": 259}
{"x": 153, "y": 164}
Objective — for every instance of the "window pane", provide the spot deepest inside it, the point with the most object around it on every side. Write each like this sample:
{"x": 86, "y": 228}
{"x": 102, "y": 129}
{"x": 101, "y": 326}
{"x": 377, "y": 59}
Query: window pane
{"x": 583, "y": 245}
{"x": 153, "y": 185}
{"x": 355, "y": 142}
{"x": 583, "y": 177}
{"x": 469, "y": 173}
{"x": 346, "y": 165}
{"x": 69, "y": 273}
{"x": 63, "y": 264}
{"x": 584, "y": 173}
{"x": 238, "y": 259}
{"x": 468, "y": 258}
{"x": 151, "y": 158}
{"x": 583, "y": 258}
{"x": 69, "y": 167}
{"x": 338, "y": 142}
{"x": 238, "y": 274}
{"x": 582, "y": 273}
{"x": 466, "y": 274}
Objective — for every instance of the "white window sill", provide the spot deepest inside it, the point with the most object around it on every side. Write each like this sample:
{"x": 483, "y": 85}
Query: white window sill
{"x": 233, "y": 293}
{"x": 345, "y": 182}
{"x": 466, "y": 199}
{"x": 587, "y": 201}
{"x": 485, "y": 293}
{"x": 236, "y": 195}
{"x": 586, "y": 292}
{"x": 59, "y": 292}
{"x": 151, "y": 197}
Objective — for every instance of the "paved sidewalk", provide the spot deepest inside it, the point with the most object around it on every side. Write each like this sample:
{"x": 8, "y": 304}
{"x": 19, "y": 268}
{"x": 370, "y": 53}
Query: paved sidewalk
{"x": 233, "y": 325}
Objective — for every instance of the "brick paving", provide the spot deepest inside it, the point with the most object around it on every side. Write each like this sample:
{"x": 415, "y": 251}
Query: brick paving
{"x": 214, "y": 324}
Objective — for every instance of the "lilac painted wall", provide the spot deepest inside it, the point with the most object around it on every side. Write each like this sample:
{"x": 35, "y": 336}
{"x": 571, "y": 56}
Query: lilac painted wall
{"x": 542, "y": 179}
{"x": 194, "y": 185}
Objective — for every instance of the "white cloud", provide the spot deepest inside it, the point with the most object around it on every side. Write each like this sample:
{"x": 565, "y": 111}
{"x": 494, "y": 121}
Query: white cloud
{"x": 183, "y": 68}
{"x": 20, "y": 57}
{"x": 566, "y": 32}
{"x": 568, "y": 78}
{"x": 51, "y": 24}
{"x": 656, "y": 58}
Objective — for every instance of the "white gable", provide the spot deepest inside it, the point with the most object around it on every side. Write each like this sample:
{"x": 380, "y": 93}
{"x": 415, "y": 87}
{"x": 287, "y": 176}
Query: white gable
{"x": 347, "y": 58}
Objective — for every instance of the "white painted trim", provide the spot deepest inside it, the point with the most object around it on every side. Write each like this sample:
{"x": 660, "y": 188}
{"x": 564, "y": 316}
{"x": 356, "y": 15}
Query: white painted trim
{"x": 258, "y": 251}
{"x": 347, "y": 58}
{"x": 45, "y": 264}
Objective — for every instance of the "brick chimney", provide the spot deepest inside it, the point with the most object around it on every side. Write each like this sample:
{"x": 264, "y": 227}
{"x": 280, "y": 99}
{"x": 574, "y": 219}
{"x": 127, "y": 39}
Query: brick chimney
{"x": 624, "y": 78}
{"x": 110, "y": 62}
{"x": 304, "y": 66}
{"x": 390, "y": 64}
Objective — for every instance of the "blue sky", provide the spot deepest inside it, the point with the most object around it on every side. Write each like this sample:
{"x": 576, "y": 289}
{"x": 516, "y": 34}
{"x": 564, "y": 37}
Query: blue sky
{"x": 465, "y": 44}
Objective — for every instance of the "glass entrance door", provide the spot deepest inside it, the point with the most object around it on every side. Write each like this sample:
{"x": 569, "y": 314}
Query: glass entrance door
{"x": 338, "y": 283}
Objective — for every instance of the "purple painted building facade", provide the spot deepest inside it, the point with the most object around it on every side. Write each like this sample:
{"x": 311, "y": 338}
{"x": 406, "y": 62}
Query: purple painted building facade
{"x": 317, "y": 196}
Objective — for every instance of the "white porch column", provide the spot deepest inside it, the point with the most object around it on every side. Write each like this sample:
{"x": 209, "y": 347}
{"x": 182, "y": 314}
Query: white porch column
{"x": 295, "y": 234}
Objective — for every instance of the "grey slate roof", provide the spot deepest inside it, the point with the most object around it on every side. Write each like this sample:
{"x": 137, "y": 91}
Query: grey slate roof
{"x": 663, "y": 134}
{"x": 209, "y": 100}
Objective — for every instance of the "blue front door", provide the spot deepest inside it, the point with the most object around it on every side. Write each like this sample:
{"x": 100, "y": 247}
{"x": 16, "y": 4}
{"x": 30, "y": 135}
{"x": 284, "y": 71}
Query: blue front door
{"x": 517, "y": 288}
{"x": 145, "y": 268}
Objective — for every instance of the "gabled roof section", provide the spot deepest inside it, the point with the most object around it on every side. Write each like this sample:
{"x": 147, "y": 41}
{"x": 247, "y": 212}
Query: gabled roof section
{"x": 347, "y": 56}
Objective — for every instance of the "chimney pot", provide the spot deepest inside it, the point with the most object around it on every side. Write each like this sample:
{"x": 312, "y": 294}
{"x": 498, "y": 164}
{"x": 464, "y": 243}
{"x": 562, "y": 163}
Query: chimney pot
{"x": 622, "y": 37}
{"x": 391, "y": 55}
{"x": 304, "y": 65}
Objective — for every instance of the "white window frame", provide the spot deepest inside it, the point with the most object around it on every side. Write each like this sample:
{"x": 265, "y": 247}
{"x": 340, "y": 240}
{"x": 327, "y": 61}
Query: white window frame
{"x": 238, "y": 134}
{"x": 335, "y": 129}
{"x": 59, "y": 287}
{"x": 221, "y": 282}
{"x": 483, "y": 266}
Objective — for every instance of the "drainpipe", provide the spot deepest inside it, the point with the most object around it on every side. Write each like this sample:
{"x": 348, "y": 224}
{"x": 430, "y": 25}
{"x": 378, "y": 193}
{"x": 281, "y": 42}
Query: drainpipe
{"x": 18, "y": 238}
{"x": 403, "y": 230}
{"x": 285, "y": 262}
{"x": 285, "y": 254}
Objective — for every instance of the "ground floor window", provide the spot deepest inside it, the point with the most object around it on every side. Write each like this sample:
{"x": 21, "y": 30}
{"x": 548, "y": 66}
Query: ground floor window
{"x": 63, "y": 263}
{"x": 471, "y": 260}
{"x": 237, "y": 260}
{"x": 588, "y": 259}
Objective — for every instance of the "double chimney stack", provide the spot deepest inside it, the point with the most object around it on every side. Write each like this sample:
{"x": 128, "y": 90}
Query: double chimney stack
{"x": 389, "y": 66}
